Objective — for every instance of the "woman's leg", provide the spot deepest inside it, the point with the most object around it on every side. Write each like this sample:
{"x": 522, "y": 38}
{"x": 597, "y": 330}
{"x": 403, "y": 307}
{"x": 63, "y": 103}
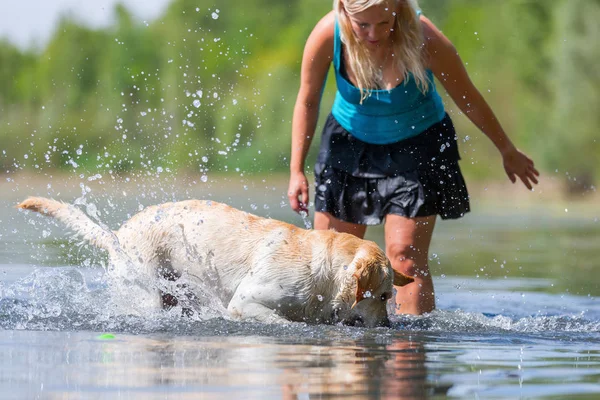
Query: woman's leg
{"x": 407, "y": 243}
{"x": 325, "y": 221}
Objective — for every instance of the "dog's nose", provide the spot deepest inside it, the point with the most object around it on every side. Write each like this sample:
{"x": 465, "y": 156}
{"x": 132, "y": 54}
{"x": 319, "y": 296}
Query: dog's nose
{"x": 353, "y": 321}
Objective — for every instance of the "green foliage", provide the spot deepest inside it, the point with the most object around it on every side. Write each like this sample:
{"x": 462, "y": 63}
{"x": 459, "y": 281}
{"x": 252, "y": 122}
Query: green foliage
{"x": 576, "y": 92}
{"x": 210, "y": 86}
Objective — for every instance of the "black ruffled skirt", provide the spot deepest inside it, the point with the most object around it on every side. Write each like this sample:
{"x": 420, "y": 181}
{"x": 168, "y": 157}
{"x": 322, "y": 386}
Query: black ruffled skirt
{"x": 361, "y": 183}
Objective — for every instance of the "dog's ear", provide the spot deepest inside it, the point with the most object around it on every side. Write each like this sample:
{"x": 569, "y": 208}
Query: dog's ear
{"x": 400, "y": 279}
{"x": 367, "y": 278}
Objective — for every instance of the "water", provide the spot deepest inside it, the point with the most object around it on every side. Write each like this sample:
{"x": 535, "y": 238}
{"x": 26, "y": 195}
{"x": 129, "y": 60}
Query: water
{"x": 517, "y": 316}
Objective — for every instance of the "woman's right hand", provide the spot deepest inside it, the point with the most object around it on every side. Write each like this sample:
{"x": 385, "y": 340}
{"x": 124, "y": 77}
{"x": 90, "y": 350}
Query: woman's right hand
{"x": 298, "y": 192}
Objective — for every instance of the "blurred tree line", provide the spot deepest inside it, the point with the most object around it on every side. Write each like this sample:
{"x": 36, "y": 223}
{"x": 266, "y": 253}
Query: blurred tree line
{"x": 210, "y": 86}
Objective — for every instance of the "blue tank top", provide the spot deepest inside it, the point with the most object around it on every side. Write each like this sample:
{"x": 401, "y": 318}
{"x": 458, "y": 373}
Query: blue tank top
{"x": 386, "y": 116}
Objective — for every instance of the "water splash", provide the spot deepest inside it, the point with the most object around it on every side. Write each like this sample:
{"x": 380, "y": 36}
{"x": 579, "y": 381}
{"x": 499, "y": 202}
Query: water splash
{"x": 69, "y": 298}
{"x": 74, "y": 299}
{"x": 478, "y": 323}
{"x": 305, "y": 219}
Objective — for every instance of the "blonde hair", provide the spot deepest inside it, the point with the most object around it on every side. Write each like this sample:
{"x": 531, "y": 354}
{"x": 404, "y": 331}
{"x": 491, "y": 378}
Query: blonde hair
{"x": 407, "y": 43}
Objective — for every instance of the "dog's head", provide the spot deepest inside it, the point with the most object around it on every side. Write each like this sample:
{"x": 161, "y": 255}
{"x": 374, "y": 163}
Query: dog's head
{"x": 367, "y": 287}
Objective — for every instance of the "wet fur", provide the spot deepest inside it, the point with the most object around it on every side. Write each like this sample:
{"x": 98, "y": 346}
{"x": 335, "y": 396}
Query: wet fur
{"x": 261, "y": 268}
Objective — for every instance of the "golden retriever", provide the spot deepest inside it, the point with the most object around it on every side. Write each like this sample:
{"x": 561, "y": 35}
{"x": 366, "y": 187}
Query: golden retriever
{"x": 260, "y": 268}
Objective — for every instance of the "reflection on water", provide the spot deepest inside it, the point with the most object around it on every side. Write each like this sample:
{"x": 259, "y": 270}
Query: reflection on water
{"x": 397, "y": 365}
{"x": 518, "y": 317}
{"x": 244, "y": 367}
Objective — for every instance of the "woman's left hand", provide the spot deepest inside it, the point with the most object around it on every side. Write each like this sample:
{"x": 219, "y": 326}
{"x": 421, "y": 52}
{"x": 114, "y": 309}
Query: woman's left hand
{"x": 518, "y": 164}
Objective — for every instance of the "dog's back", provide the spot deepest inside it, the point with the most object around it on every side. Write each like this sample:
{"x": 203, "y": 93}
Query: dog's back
{"x": 213, "y": 241}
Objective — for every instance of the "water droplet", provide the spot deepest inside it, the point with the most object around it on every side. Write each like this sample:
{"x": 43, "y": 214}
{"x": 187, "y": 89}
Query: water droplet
{"x": 304, "y": 216}
{"x": 92, "y": 210}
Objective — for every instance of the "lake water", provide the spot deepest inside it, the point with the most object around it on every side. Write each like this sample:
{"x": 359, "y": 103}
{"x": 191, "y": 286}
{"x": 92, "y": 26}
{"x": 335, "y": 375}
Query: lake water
{"x": 517, "y": 293}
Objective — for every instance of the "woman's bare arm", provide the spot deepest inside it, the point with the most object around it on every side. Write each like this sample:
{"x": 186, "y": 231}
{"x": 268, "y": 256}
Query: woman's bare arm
{"x": 446, "y": 65}
{"x": 317, "y": 57}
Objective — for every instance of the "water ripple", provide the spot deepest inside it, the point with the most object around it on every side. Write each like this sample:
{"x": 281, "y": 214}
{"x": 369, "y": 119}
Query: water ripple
{"x": 72, "y": 299}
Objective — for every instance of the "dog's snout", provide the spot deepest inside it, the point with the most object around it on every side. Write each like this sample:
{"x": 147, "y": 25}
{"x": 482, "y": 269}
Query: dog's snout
{"x": 360, "y": 322}
{"x": 353, "y": 321}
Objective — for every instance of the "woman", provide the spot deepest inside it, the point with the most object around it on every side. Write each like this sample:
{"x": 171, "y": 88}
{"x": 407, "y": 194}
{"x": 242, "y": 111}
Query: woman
{"x": 388, "y": 150}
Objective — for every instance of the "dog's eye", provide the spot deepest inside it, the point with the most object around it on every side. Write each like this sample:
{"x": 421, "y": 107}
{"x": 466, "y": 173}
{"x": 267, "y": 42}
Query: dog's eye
{"x": 386, "y": 296}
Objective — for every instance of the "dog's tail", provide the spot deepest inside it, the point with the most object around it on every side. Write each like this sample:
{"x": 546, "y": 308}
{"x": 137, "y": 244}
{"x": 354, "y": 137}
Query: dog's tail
{"x": 76, "y": 220}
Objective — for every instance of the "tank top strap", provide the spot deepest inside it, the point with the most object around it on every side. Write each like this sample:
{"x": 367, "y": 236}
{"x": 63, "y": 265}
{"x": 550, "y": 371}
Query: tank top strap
{"x": 337, "y": 45}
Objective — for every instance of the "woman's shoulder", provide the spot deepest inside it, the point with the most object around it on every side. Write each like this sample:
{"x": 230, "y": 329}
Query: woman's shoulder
{"x": 325, "y": 26}
{"x": 431, "y": 32}
{"x": 434, "y": 40}
{"x": 323, "y": 32}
